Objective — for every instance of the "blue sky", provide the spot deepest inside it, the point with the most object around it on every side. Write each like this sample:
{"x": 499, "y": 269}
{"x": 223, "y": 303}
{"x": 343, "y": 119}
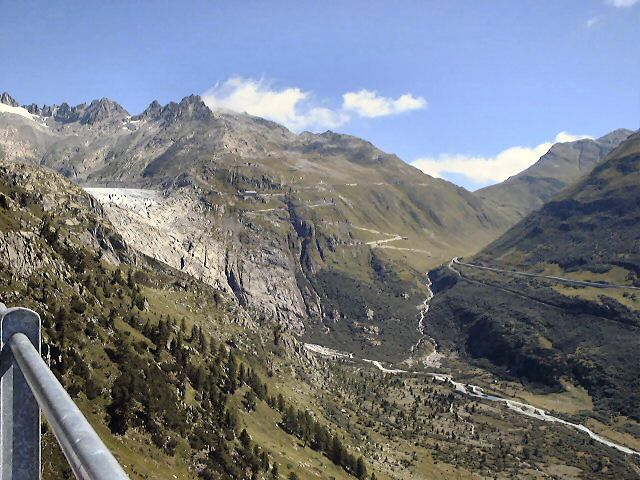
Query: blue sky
{"x": 455, "y": 83}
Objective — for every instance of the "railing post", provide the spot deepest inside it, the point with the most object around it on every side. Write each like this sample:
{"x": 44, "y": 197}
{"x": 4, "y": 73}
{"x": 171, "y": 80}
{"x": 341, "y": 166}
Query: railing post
{"x": 19, "y": 412}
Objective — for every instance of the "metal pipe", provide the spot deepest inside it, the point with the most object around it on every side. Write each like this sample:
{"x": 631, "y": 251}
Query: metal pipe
{"x": 19, "y": 412}
{"x": 88, "y": 457}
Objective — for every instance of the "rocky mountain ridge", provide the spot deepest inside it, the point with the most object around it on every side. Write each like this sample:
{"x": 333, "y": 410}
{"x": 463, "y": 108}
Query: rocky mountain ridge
{"x": 277, "y": 218}
{"x": 320, "y": 236}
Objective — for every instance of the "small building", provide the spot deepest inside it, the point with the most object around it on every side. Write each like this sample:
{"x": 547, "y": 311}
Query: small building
{"x": 247, "y": 194}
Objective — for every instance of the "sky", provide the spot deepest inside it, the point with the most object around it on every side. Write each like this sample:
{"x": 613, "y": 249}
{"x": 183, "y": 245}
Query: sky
{"x": 469, "y": 91}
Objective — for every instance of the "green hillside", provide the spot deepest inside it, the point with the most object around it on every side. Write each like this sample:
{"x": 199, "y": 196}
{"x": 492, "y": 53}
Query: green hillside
{"x": 541, "y": 330}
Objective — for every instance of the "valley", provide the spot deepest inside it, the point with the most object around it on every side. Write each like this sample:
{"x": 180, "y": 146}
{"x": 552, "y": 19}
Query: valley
{"x": 320, "y": 240}
{"x": 466, "y": 388}
{"x": 130, "y": 199}
{"x": 307, "y": 290}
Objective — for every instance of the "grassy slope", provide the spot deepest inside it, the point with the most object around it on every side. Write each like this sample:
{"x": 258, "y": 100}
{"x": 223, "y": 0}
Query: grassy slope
{"x": 590, "y": 227}
{"x": 542, "y": 331}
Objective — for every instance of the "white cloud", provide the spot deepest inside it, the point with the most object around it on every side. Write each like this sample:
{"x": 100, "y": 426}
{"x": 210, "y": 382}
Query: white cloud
{"x": 297, "y": 109}
{"x": 369, "y": 104}
{"x": 622, "y": 3}
{"x": 563, "y": 137}
{"x": 592, "y": 21}
{"x": 288, "y": 106}
{"x": 487, "y": 170}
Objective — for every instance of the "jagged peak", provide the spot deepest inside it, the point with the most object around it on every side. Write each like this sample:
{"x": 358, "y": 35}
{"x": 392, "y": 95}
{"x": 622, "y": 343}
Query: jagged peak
{"x": 106, "y": 102}
{"x": 33, "y": 108}
{"x": 8, "y": 100}
{"x": 194, "y": 106}
{"x": 190, "y": 108}
{"x": 153, "y": 110}
{"x": 100, "y": 110}
{"x": 97, "y": 111}
{"x": 192, "y": 100}
{"x": 65, "y": 113}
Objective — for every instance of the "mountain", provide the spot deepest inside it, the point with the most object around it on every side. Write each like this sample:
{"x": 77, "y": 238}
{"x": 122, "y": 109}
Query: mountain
{"x": 180, "y": 284}
{"x": 181, "y": 381}
{"x": 546, "y": 330}
{"x": 324, "y": 232}
{"x": 7, "y": 99}
{"x": 561, "y": 166}
{"x": 592, "y": 225}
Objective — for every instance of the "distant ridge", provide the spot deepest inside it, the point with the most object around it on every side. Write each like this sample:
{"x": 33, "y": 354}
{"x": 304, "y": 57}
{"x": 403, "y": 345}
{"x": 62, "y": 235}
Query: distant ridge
{"x": 561, "y": 166}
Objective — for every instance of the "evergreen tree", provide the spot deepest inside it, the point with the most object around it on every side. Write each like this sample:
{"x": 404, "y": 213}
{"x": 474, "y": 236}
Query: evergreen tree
{"x": 245, "y": 439}
{"x": 232, "y": 374}
{"x": 337, "y": 451}
{"x": 361, "y": 469}
{"x": 249, "y": 400}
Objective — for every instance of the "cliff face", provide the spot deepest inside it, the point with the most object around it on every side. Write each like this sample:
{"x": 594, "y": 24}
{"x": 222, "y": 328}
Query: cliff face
{"x": 176, "y": 228}
{"x": 150, "y": 352}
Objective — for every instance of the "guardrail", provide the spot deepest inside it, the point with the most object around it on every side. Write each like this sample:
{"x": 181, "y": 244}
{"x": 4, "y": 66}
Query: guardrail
{"x": 28, "y": 386}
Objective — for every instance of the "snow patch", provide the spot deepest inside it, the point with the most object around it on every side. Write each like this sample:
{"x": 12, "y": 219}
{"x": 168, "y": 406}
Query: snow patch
{"x": 16, "y": 111}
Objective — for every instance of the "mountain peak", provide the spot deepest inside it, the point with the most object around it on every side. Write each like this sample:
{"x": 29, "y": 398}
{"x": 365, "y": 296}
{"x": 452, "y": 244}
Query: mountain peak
{"x": 189, "y": 108}
{"x": 8, "y": 100}
{"x": 194, "y": 107}
{"x": 65, "y": 113}
{"x": 152, "y": 111}
{"x": 100, "y": 110}
{"x": 191, "y": 100}
{"x": 615, "y": 137}
{"x": 562, "y": 165}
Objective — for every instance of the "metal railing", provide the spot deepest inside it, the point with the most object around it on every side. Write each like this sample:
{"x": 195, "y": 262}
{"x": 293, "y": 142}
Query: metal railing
{"x": 27, "y": 386}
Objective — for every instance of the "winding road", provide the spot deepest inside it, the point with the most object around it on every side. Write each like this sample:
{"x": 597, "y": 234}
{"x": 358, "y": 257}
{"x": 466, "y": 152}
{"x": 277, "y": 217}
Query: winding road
{"x": 475, "y": 391}
{"x": 393, "y": 237}
{"x": 580, "y": 283}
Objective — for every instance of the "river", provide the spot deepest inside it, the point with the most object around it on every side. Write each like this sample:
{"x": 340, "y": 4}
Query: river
{"x": 466, "y": 388}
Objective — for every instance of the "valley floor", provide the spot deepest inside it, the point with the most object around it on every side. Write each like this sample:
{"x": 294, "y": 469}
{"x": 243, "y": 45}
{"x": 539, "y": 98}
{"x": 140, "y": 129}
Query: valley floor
{"x": 533, "y": 416}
